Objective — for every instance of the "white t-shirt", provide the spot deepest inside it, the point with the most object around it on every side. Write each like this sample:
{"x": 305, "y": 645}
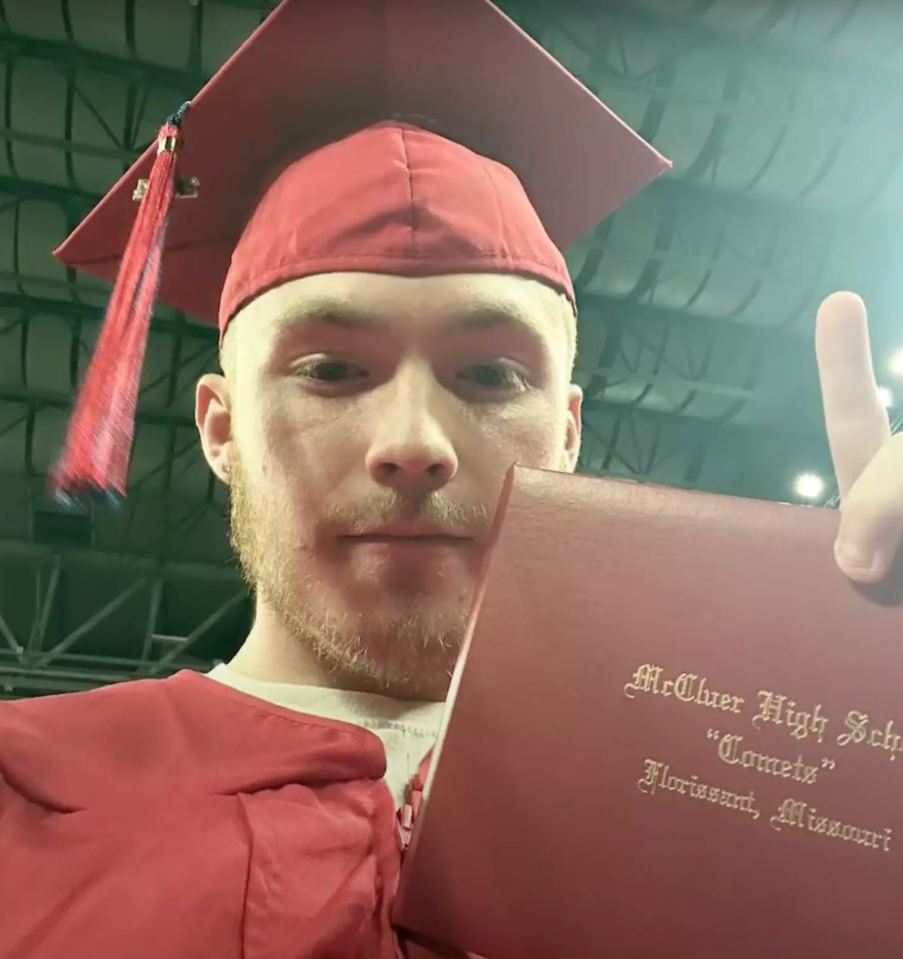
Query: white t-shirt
{"x": 407, "y": 729}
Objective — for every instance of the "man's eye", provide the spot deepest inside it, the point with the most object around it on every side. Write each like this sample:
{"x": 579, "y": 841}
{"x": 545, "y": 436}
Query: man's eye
{"x": 331, "y": 371}
{"x": 493, "y": 376}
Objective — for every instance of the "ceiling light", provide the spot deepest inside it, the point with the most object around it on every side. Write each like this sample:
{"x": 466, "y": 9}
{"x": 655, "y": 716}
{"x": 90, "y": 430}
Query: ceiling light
{"x": 809, "y": 486}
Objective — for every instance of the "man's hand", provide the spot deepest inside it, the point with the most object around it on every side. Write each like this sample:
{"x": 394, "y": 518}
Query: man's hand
{"x": 868, "y": 459}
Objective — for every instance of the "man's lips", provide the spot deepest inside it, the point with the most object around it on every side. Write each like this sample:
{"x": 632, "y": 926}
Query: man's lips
{"x": 419, "y": 551}
{"x": 410, "y": 537}
{"x": 410, "y": 533}
{"x": 423, "y": 540}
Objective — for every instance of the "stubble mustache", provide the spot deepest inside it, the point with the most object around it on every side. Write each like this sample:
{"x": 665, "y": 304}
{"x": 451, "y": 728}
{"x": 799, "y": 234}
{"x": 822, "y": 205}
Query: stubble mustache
{"x": 387, "y": 507}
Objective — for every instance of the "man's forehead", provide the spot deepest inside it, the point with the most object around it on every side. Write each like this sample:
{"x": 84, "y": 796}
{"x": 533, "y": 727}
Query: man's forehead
{"x": 361, "y": 301}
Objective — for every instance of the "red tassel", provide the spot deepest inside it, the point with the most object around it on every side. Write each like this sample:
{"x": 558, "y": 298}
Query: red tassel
{"x": 98, "y": 445}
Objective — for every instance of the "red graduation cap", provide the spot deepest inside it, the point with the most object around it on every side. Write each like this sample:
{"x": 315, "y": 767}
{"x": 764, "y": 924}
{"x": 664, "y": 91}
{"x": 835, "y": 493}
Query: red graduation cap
{"x": 411, "y": 137}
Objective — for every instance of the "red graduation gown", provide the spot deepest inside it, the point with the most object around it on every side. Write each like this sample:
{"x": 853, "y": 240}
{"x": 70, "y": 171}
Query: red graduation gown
{"x": 178, "y": 818}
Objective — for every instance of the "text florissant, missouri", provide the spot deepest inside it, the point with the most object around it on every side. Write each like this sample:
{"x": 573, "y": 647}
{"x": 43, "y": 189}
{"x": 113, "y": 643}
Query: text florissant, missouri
{"x": 790, "y": 812}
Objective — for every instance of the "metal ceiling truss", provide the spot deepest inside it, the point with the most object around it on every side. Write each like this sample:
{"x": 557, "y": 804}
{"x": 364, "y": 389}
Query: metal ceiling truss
{"x": 42, "y": 659}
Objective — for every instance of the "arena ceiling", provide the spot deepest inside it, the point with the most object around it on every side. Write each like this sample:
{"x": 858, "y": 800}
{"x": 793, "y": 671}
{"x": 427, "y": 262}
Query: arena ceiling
{"x": 783, "y": 120}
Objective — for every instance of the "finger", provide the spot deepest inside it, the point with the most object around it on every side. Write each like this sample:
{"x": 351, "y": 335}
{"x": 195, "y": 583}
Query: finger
{"x": 856, "y": 421}
{"x": 871, "y": 520}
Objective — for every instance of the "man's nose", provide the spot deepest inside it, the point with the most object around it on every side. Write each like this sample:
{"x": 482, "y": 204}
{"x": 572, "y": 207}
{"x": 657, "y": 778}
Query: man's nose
{"x": 411, "y": 451}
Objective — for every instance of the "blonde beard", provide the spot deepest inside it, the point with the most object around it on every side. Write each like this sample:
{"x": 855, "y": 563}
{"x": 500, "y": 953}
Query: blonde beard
{"x": 415, "y": 648}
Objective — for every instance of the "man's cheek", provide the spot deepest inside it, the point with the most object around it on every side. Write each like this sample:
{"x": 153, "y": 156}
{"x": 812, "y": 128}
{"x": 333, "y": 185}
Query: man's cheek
{"x": 531, "y": 443}
{"x": 277, "y": 437}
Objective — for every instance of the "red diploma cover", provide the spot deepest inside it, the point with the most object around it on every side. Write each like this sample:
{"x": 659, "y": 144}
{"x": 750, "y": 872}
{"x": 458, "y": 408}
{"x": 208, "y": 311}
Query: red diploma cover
{"x": 676, "y": 729}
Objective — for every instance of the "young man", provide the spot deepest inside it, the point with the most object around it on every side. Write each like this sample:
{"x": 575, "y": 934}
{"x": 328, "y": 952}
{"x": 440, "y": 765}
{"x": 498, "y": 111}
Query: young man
{"x": 398, "y": 328}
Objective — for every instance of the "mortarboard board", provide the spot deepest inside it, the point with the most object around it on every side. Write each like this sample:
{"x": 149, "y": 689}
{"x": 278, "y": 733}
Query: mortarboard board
{"x": 344, "y": 120}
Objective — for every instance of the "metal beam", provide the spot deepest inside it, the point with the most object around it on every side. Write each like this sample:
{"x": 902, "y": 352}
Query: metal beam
{"x": 46, "y": 658}
{"x": 676, "y": 382}
{"x": 156, "y": 596}
{"x": 17, "y": 677}
{"x": 695, "y": 424}
{"x": 46, "y": 556}
{"x": 36, "y": 638}
{"x": 739, "y": 45}
{"x": 48, "y": 398}
{"x": 74, "y": 678}
{"x": 745, "y": 334}
{"x": 73, "y": 309}
{"x": 169, "y": 658}
{"x": 8, "y": 135}
{"x": 261, "y": 6}
{"x": 95, "y": 287}
{"x": 176, "y": 517}
{"x": 11, "y": 641}
{"x": 68, "y": 56}
{"x": 691, "y": 31}
{"x": 38, "y": 190}
{"x": 745, "y": 204}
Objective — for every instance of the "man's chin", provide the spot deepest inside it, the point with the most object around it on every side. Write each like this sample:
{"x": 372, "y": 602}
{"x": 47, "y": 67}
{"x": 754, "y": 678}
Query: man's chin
{"x": 399, "y": 651}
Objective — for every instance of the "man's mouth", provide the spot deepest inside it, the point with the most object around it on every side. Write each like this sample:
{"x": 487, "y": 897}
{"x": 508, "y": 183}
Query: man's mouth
{"x": 411, "y": 533}
{"x": 424, "y": 539}
{"x": 411, "y": 543}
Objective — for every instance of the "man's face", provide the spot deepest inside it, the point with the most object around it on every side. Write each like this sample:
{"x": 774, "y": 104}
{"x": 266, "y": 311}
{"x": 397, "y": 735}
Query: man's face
{"x": 371, "y": 422}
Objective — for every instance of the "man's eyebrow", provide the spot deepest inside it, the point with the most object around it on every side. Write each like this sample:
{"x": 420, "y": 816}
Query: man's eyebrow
{"x": 494, "y": 316}
{"x": 326, "y": 312}
{"x": 337, "y": 313}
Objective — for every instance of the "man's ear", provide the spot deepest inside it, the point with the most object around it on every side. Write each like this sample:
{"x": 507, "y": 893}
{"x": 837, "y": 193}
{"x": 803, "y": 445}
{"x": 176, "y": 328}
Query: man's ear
{"x": 574, "y": 427}
{"x": 213, "y": 416}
